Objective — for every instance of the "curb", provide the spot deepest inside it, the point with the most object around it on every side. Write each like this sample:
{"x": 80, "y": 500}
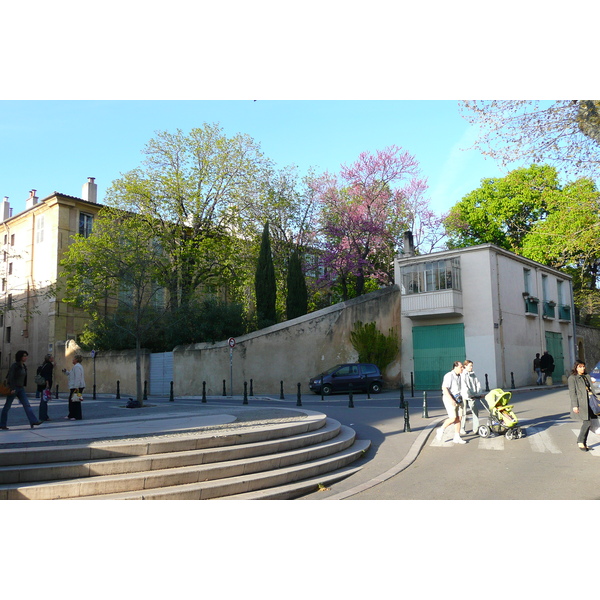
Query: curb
{"x": 410, "y": 457}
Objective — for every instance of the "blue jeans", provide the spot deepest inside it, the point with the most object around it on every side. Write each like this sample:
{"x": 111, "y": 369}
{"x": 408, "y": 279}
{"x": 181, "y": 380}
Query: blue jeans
{"x": 22, "y": 396}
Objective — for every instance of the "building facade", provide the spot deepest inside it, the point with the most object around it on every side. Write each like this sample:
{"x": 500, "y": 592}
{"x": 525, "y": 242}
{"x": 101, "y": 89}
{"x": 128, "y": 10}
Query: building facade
{"x": 34, "y": 242}
{"x": 485, "y": 304}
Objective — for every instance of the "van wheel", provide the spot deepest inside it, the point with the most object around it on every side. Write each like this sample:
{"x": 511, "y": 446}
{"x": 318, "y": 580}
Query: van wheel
{"x": 375, "y": 387}
{"x": 326, "y": 390}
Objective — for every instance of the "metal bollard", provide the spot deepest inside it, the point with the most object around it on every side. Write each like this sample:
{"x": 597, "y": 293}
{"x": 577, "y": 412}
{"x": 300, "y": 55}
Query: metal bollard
{"x": 145, "y": 390}
{"x": 412, "y": 385}
{"x": 204, "y": 391}
{"x": 299, "y": 400}
{"x": 487, "y": 385}
{"x": 512, "y": 380}
{"x": 245, "y": 393}
{"x": 251, "y": 388}
{"x": 56, "y": 391}
{"x": 224, "y": 389}
{"x": 425, "y": 414}
{"x": 322, "y": 397}
{"x": 401, "y": 395}
{"x": 94, "y": 392}
{"x": 281, "y": 397}
{"x": 118, "y": 390}
{"x": 171, "y": 397}
{"x": 350, "y": 398}
{"x": 406, "y": 417}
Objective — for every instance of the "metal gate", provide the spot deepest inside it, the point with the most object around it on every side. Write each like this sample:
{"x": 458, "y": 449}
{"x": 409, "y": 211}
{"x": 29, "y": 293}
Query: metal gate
{"x": 161, "y": 373}
{"x": 435, "y": 348}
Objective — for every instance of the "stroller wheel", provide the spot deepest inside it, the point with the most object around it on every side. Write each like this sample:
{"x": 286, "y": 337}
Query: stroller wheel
{"x": 510, "y": 434}
{"x": 521, "y": 433}
{"x": 483, "y": 431}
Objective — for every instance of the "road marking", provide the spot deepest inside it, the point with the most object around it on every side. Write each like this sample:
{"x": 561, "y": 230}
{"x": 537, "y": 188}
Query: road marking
{"x": 492, "y": 443}
{"x": 593, "y": 442}
{"x": 541, "y": 441}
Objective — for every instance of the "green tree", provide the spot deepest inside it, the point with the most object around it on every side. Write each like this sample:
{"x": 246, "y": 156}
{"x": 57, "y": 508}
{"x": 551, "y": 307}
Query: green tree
{"x": 373, "y": 346}
{"x": 117, "y": 275}
{"x": 264, "y": 283}
{"x": 503, "y": 210}
{"x": 193, "y": 190}
{"x": 297, "y": 292}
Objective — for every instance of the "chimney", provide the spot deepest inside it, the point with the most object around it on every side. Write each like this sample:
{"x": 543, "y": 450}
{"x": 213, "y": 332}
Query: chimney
{"x": 5, "y": 210}
{"x": 408, "y": 245}
{"x": 89, "y": 191}
{"x": 32, "y": 200}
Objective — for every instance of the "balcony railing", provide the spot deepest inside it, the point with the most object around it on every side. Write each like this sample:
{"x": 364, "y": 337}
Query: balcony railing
{"x": 531, "y": 305}
{"x": 443, "y": 302}
{"x": 564, "y": 312}
{"x": 549, "y": 310}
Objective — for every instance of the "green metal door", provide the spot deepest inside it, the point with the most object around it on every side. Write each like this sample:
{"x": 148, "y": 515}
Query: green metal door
{"x": 435, "y": 348}
{"x": 554, "y": 345}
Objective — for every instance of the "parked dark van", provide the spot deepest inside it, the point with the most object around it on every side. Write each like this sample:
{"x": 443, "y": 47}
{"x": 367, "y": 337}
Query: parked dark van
{"x": 359, "y": 376}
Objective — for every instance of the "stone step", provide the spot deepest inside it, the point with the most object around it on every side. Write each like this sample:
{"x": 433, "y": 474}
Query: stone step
{"x": 76, "y": 469}
{"x": 139, "y": 482}
{"x": 314, "y": 471}
{"x": 149, "y": 445}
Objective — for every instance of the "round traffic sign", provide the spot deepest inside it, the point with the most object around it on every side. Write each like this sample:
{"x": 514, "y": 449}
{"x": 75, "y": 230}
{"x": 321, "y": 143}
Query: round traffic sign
{"x": 231, "y": 342}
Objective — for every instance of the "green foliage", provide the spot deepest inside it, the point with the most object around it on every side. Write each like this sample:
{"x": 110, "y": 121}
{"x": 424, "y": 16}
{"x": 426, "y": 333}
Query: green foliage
{"x": 502, "y": 210}
{"x": 264, "y": 283}
{"x": 297, "y": 293}
{"x": 373, "y": 346}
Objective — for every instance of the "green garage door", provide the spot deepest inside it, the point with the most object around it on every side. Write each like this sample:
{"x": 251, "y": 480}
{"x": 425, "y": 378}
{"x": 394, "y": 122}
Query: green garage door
{"x": 435, "y": 348}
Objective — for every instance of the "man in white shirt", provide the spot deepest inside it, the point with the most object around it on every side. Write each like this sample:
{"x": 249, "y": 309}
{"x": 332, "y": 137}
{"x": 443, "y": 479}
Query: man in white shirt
{"x": 451, "y": 388}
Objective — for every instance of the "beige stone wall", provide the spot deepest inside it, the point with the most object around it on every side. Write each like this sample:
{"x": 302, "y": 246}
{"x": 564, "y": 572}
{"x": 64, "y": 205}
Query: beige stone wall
{"x": 291, "y": 352}
{"x": 110, "y": 367}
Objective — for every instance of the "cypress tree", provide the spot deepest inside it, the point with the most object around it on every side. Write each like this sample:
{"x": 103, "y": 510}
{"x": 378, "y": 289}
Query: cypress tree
{"x": 297, "y": 293}
{"x": 264, "y": 283}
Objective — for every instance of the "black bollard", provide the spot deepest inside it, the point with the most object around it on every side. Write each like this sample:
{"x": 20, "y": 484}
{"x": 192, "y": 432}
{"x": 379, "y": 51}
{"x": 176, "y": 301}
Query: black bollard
{"x": 425, "y": 413}
{"x": 350, "y": 398}
{"x": 281, "y": 397}
{"x": 118, "y": 390}
{"x": 406, "y": 417}
{"x": 224, "y": 389}
{"x": 204, "y": 392}
{"x": 94, "y": 392}
{"x": 512, "y": 380}
{"x": 412, "y": 385}
{"x": 322, "y": 396}
{"x": 145, "y": 390}
{"x": 299, "y": 400}
{"x": 401, "y": 395}
{"x": 251, "y": 388}
{"x": 56, "y": 391}
{"x": 171, "y": 397}
{"x": 245, "y": 393}
{"x": 487, "y": 385}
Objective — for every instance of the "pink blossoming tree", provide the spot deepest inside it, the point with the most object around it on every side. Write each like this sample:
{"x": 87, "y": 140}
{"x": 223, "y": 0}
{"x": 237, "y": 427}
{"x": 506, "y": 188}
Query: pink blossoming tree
{"x": 364, "y": 212}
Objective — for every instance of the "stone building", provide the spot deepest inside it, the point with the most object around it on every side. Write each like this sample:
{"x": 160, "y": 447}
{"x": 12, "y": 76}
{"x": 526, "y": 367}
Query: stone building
{"x": 34, "y": 242}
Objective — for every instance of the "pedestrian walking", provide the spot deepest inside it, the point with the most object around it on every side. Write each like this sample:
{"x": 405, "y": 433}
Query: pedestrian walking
{"x": 470, "y": 387}
{"x": 537, "y": 367}
{"x": 46, "y": 371}
{"x": 76, "y": 387}
{"x": 16, "y": 380}
{"x": 547, "y": 365}
{"x": 580, "y": 388}
{"x": 451, "y": 396}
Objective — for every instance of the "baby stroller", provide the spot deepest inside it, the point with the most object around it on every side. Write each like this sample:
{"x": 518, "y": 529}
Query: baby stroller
{"x": 503, "y": 420}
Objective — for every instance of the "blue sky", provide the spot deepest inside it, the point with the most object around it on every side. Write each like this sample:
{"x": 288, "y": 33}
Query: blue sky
{"x": 56, "y": 145}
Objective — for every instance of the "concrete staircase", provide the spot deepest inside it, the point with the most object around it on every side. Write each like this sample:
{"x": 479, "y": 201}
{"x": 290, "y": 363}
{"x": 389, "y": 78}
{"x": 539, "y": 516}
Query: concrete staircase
{"x": 278, "y": 461}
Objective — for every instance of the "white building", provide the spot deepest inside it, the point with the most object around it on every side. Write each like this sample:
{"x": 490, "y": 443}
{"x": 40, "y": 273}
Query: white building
{"x": 485, "y": 304}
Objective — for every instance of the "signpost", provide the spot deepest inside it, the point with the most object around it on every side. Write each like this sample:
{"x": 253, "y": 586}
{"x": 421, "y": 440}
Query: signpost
{"x": 231, "y": 343}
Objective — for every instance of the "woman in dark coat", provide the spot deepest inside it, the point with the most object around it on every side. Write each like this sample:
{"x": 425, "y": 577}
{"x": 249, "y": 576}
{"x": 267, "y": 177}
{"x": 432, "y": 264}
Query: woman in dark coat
{"x": 46, "y": 372}
{"x": 580, "y": 387}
